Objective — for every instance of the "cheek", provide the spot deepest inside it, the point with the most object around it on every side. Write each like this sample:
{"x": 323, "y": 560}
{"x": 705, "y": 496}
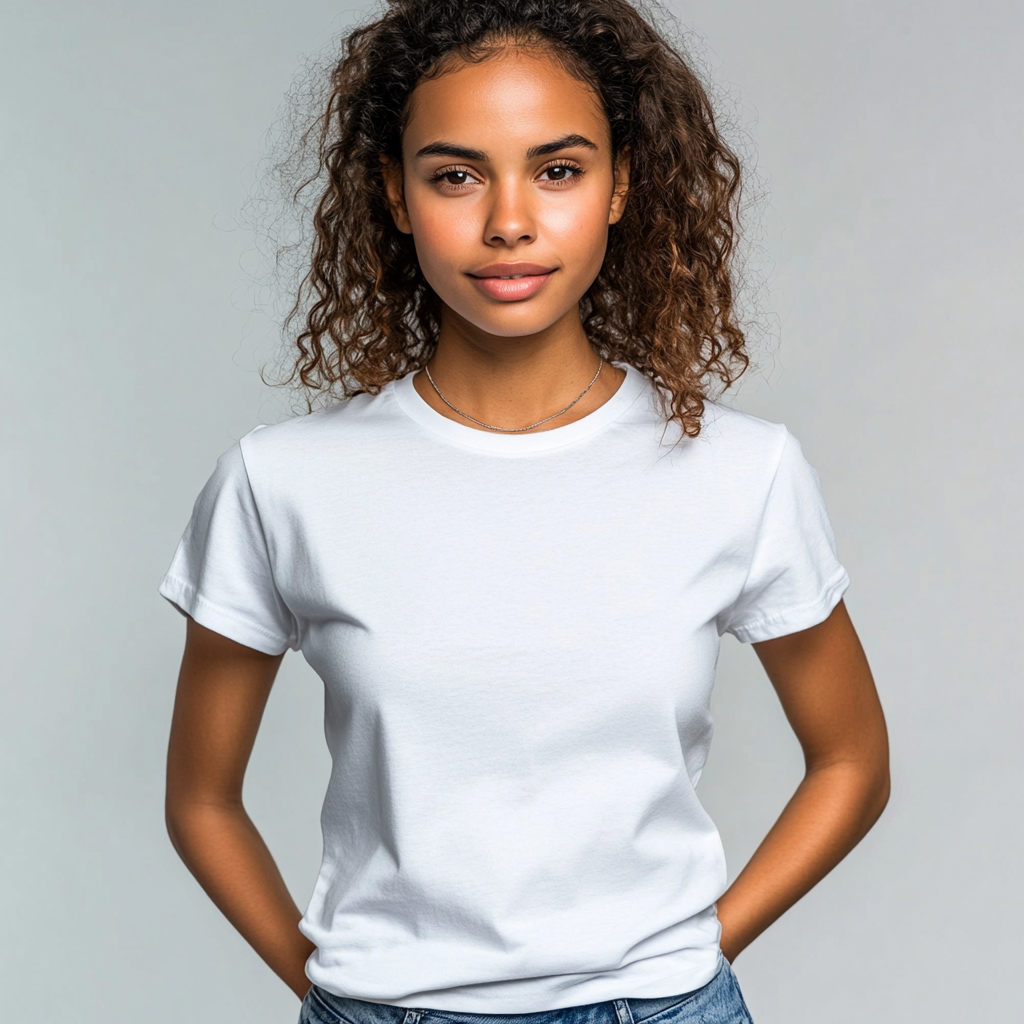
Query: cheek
{"x": 443, "y": 234}
{"x": 579, "y": 228}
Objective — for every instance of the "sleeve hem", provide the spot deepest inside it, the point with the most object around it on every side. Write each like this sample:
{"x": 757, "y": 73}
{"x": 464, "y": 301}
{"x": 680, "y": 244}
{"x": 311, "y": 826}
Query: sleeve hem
{"x": 793, "y": 620}
{"x": 183, "y": 596}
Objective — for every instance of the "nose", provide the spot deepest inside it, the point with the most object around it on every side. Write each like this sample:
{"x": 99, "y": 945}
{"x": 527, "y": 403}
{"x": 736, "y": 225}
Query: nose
{"x": 510, "y": 219}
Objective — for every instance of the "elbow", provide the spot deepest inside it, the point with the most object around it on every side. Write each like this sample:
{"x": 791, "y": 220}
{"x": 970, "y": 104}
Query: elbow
{"x": 861, "y": 784}
{"x": 883, "y": 789}
{"x": 875, "y": 777}
{"x": 182, "y": 819}
{"x": 174, "y": 824}
{"x": 876, "y": 789}
{"x": 195, "y": 820}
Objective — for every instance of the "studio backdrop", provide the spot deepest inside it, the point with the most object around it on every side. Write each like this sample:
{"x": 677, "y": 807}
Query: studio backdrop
{"x": 883, "y": 140}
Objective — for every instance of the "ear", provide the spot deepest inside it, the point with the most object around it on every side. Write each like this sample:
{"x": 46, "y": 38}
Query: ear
{"x": 621, "y": 190}
{"x": 395, "y": 191}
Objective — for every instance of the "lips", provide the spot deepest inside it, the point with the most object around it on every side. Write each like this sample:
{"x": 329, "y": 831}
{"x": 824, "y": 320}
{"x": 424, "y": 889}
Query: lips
{"x": 511, "y": 282}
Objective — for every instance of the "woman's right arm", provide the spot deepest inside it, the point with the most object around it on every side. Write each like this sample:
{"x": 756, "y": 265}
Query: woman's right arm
{"x": 222, "y": 691}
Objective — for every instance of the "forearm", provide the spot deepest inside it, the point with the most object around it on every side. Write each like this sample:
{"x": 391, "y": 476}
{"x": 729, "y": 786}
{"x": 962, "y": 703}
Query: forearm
{"x": 831, "y": 811}
{"x": 222, "y": 848}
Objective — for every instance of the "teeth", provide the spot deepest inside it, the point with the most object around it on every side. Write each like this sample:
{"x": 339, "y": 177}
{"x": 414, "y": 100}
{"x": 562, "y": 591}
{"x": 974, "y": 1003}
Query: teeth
{"x": 514, "y": 277}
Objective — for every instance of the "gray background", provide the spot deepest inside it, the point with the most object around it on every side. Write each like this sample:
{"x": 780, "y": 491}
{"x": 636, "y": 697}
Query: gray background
{"x": 889, "y": 135}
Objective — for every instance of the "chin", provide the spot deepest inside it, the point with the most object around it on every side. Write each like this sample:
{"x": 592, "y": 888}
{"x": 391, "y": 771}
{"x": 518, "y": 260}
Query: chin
{"x": 514, "y": 320}
{"x": 517, "y": 330}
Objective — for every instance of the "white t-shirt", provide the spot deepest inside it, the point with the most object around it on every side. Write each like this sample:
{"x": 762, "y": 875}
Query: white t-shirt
{"x": 518, "y": 636}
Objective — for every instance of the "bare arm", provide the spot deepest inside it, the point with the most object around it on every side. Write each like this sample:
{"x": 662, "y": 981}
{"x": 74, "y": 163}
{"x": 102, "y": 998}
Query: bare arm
{"x": 824, "y": 683}
{"x": 222, "y": 690}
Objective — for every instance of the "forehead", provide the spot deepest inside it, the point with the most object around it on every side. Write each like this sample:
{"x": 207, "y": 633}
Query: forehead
{"x": 516, "y": 99}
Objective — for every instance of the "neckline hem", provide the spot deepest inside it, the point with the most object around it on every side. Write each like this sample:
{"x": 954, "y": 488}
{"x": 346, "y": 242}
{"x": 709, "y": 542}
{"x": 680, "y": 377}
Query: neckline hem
{"x": 409, "y": 400}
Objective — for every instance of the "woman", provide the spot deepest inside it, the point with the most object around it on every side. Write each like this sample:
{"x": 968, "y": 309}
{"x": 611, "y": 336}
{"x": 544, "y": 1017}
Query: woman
{"x": 511, "y": 548}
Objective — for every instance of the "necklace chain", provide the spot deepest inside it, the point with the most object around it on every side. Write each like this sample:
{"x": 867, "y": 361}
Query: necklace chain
{"x": 513, "y": 430}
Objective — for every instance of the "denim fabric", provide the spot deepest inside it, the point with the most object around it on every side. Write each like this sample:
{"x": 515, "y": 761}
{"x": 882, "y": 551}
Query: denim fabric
{"x": 718, "y": 1002}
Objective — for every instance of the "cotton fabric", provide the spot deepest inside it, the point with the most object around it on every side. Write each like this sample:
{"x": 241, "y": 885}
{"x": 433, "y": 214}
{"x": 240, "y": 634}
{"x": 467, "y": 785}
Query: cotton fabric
{"x": 517, "y": 636}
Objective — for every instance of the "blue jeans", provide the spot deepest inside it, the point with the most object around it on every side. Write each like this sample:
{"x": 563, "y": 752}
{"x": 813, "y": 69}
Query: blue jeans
{"x": 718, "y": 1002}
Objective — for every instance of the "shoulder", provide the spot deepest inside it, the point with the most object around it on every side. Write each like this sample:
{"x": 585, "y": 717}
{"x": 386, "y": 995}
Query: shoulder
{"x": 742, "y": 453}
{"x": 736, "y": 455}
{"x": 739, "y": 445}
{"x": 764, "y": 456}
{"x": 729, "y": 432}
{"x": 725, "y": 432}
{"x": 299, "y": 440}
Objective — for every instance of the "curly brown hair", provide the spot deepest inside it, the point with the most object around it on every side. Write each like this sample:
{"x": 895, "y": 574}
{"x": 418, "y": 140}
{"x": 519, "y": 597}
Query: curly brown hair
{"x": 663, "y": 301}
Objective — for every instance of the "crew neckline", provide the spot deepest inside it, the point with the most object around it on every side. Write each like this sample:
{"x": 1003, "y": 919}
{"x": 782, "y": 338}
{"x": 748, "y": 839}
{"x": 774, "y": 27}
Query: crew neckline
{"x": 633, "y": 385}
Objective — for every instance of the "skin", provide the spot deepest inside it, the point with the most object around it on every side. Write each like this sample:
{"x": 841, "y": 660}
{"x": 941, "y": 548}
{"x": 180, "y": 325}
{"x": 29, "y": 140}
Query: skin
{"x": 509, "y": 364}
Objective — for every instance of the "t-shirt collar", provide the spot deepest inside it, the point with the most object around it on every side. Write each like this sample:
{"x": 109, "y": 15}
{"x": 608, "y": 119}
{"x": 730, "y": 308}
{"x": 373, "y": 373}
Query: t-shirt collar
{"x": 632, "y": 387}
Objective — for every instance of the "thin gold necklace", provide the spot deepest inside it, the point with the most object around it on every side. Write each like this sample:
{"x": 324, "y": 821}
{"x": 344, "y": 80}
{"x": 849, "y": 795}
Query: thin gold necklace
{"x": 513, "y": 430}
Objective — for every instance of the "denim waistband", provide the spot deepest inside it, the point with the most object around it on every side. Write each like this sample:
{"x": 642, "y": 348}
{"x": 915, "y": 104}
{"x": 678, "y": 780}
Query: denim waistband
{"x": 615, "y": 1011}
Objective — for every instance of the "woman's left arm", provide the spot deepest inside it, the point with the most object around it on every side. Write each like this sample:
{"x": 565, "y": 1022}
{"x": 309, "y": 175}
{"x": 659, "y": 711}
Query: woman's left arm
{"x": 824, "y": 683}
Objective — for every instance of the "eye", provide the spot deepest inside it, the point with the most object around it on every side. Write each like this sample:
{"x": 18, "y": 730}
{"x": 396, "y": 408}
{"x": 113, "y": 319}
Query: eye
{"x": 452, "y": 177}
{"x": 561, "y": 172}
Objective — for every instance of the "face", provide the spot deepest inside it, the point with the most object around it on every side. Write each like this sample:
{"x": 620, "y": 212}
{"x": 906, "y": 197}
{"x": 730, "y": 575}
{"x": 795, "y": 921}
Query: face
{"x": 508, "y": 188}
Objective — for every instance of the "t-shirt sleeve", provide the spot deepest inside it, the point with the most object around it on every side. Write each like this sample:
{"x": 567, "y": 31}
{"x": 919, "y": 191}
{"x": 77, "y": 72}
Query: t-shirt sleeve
{"x": 221, "y": 574}
{"x": 795, "y": 578}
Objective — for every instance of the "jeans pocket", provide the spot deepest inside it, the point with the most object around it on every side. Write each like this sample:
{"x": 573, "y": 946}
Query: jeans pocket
{"x": 315, "y": 1011}
{"x": 734, "y": 984}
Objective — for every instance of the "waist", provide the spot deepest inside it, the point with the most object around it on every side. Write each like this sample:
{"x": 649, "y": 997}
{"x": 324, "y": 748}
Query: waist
{"x": 630, "y": 1010}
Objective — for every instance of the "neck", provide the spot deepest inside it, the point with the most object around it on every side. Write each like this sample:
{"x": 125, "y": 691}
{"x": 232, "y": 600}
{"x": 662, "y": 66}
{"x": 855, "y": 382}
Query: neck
{"x": 510, "y": 382}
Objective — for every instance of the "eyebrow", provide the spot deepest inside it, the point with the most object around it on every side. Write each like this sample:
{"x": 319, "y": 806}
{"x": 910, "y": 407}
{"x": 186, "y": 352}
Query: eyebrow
{"x": 545, "y": 149}
{"x": 565, "y": 142}
{"x": 450, "y": 149}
